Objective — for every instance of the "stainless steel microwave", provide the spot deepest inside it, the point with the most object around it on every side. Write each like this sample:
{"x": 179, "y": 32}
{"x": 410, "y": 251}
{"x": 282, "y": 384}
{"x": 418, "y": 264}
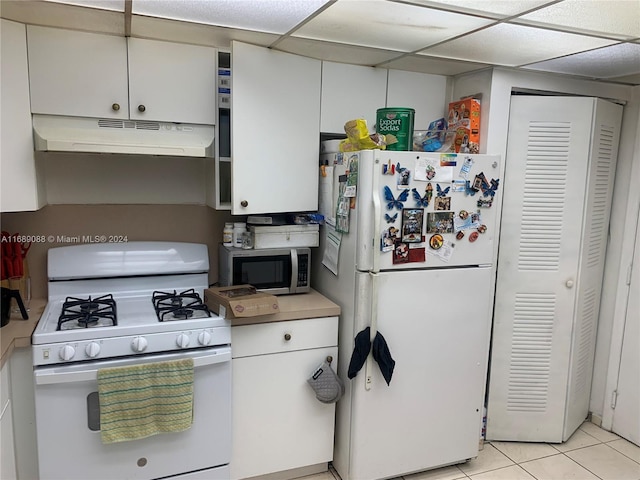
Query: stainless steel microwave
{"x": 278, "y": 271}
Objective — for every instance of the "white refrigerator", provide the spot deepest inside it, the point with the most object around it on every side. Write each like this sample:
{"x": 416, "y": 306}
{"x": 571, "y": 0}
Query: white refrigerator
{"x": 395, "y": 261}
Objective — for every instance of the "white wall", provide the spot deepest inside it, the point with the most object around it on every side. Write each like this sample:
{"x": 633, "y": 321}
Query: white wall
{"x": 613, "y": 309}
{"x": 493, "y": 133}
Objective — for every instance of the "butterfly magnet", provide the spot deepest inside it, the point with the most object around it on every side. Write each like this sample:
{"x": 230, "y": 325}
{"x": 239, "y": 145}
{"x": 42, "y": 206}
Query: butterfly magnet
{"x": 396, "y": 202}
{"x": 424, "y": 200}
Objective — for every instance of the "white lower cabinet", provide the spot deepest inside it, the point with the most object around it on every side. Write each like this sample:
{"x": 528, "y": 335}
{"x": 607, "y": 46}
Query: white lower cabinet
{"x": 278, "y": 424}
{"x": 7, "y": 452}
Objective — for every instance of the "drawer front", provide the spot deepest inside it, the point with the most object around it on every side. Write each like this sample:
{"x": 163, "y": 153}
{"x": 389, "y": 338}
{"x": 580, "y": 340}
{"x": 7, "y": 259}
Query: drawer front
{"x": 266, "y": 338}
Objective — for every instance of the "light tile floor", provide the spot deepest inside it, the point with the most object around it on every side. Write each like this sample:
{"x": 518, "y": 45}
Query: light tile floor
{"x": 590, "y": 454}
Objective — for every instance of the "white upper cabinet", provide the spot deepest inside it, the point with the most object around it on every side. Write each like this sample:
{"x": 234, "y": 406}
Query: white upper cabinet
{"x": 172, "y": 82}
{"x": 92, "y": 75}
{"x": 423, "y": 92}
{"x": 350, "y": 92}
{"x": 77, "y": 73}
{"x": 19, "y": 182}
{"x": 275, "y": 124}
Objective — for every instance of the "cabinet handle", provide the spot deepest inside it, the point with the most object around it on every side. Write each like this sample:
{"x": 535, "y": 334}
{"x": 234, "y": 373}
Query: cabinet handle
{"x": 287, "y": 336}
{"x": 244, "y": 203}
{"x": 115, "y": 107}
{"x": 141, "y": 108}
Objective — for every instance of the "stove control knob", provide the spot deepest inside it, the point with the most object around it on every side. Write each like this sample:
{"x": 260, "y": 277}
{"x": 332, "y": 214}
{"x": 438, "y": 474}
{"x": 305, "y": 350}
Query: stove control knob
{"x": 204, "y": 338}
{"x": 139, "y": 344}
{"x": 67, "y": 353}
{"x": 92, "y": 350}
{"x": 183, "y": 340}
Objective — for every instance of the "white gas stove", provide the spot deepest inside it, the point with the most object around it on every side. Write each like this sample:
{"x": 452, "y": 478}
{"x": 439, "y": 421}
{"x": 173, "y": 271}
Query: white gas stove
{"x": 119, "y": 305}
{"x": 114, "y": 300}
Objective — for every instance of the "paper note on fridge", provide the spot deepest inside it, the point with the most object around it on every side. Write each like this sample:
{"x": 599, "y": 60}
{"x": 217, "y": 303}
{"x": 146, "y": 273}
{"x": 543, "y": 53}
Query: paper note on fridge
{"x": 428, "y": 169}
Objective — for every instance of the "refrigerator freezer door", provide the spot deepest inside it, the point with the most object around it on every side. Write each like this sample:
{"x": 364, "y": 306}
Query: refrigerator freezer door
{"x": 425, "y": 202}
{"x": 437, "y": 326}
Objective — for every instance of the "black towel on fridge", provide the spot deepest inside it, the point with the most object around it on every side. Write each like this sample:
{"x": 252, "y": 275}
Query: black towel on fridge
{"x": 360, "y": 352}
{"x": 382, "y": 355}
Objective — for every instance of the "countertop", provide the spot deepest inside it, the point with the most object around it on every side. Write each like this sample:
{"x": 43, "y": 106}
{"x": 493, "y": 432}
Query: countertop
{"x": 17, "y": 333}
{"x": 295, "y": 307}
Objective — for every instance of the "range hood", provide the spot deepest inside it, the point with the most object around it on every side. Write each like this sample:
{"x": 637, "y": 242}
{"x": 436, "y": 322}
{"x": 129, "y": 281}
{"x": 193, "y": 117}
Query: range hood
{"x": 54, "y": 133}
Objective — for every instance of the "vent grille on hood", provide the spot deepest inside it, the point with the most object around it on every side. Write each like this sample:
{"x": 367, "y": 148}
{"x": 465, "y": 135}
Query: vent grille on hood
{"x": 79, "y": 134}
{"x": 114, "y": 123}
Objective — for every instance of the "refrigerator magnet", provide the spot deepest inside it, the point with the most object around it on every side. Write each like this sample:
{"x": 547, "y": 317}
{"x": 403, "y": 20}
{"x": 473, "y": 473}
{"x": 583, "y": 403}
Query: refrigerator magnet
{"x": 482, "y": 228}
{"x": 436, "y": 241}
{"x": 391, "y": 218}
{"x": 480, "y": 182}
{"x": 400, "y": 253}
{"x": 442, "y": 203}
{"x": 473, "y": 236}
{"x": 417, "y": 255}
{"x": 466, "y": 168}
{"x": 421, "y": 201}
{"x": 396, "y": 202}
{"x": 440, "y": 222}
{"x": 412, "y": 221}
{"x": 485, "y": 202}
{"x": 388, "y": 239}
{"x": 404, "y": 176}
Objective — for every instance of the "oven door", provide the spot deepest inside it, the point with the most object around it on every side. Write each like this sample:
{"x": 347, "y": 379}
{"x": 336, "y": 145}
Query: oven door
{"x": 69, "y": 443}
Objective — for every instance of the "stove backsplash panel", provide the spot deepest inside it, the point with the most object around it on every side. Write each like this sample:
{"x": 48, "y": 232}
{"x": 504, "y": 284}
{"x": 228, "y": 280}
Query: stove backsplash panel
{"x": 64, "y": 225}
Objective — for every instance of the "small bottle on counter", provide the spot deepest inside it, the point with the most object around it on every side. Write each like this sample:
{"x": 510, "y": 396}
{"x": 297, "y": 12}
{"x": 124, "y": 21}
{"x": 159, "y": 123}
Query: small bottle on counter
{"x": 247, "y": 240}
{"x": 227, "y": 235}
{"x": 238, "y": 232}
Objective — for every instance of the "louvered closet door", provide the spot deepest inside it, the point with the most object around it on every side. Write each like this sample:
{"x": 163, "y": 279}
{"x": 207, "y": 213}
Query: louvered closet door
{"x": 604, "y": 152}
{"x": 537, "y": 286}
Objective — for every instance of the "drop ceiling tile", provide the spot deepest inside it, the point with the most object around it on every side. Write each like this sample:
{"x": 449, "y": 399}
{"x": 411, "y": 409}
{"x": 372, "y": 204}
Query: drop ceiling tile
{"x": 514, "y": 45}
{"x": 494, "y": 8}
{"x": 115, "y": 5}
{"x": 60, "y": 15}
{"x": 614, "y": 61}
{"x": 271, "y": 16}
{"x": 335, "y": 52}
{"x": 198, "y": 34}
{"x": 387, "y": 25}
{"x": 436, "y": 66}
{"x": 614, "y": 18}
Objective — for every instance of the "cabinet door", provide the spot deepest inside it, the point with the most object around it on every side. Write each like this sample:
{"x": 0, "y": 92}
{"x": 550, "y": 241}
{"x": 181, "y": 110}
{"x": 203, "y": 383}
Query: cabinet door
{"x": 171, "y": 82}
{"x": 77, "y": 74}
{"x": 275, "y": 131}
{"x": 278, "y": 424}
{"x": 421, "y": 91}
{"x": 7, "y": 453}
{"x": 350, "y": 92}
{"x": 559, "y": 172}
{"x": 19, "y": 186}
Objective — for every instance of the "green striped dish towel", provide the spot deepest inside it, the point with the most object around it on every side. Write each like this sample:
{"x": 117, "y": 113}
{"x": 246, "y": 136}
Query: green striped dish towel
{"x": 143, "y": 400}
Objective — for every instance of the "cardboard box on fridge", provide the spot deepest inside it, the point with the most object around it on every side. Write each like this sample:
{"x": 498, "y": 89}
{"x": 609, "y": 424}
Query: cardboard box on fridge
{"x": 240, "y": 301}
{"x": 464, "y": 120}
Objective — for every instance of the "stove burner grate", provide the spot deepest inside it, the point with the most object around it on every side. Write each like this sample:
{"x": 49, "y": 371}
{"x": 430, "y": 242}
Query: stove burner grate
{"x": 88, "y": 312}
{"x": 178, "y": 306}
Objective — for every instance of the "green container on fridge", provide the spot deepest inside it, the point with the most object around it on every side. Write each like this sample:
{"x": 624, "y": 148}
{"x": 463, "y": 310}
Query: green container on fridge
{"x": 399, "y": 123}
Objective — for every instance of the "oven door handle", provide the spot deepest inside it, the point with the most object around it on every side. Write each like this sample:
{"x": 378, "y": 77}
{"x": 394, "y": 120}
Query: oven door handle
{"x": 70, "y": 374}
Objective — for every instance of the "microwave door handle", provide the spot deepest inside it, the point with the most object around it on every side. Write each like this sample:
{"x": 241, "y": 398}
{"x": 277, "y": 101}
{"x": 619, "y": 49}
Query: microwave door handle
{"x": 294, "y": 271}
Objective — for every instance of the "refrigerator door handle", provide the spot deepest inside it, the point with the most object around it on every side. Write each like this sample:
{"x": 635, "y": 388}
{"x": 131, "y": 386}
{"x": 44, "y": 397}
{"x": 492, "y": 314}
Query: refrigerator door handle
{"x": 377, "y": 212}
{"x": 373, "y": 326}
